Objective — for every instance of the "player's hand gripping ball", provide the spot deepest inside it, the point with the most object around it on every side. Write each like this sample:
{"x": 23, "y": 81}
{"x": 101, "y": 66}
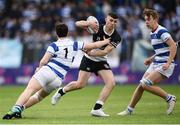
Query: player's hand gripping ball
{"x": 93, "y": 25}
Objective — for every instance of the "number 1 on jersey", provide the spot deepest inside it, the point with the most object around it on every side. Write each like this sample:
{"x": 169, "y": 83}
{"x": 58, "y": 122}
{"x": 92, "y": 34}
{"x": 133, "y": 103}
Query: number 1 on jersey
{"x": 66, "y": 52}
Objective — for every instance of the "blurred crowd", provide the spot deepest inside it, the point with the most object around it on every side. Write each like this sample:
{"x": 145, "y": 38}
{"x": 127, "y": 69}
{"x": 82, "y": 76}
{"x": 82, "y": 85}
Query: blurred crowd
{"x": 32, "y": 21}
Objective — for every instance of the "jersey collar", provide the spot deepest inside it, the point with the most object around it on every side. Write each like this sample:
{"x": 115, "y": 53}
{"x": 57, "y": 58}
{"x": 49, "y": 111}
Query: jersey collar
{"x": 109, "y": 34}
{"x": 155, "y": 29}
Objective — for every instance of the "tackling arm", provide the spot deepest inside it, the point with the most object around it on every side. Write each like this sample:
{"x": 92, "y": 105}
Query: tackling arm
{"x": 94, "y": 45}
{"x": 104, "y": 52}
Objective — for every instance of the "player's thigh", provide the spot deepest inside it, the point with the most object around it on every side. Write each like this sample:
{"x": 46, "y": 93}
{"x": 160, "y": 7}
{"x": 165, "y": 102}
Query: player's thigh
{"x": 42, "y": 93}
{"x": 83, "y": 77}
{"x": 53, "y": 85}
{"x": 152, "y": 74}
{"x": 33, "y": 85}
{"x": 149, "y": 70}
{"x": 45, "y": 75}
{"x": 155, "y": 77}
{"x": 107, "y": 76}
{"x": 146, "y": 74}
{"x": 47, "y": 79}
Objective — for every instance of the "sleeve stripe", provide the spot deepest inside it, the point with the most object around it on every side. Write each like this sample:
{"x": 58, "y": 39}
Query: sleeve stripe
{"x": 75, "y": 46}
{"x": 160, "y": 32}
{"x": 82, "y": 46}
{"x": 113, "y": 44}
{"x": 54, "y": 46}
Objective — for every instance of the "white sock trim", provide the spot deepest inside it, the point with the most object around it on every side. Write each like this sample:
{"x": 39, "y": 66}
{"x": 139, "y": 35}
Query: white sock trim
{"x": 100, "y": 102}
{"x": 130, "y": 109}
{"x": 63, "y": 90}
{"x": 168, "y": 97}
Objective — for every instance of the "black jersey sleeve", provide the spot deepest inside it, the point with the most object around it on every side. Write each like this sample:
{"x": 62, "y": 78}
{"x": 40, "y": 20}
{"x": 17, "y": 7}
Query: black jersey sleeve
{"x": 115, "y": 39}
{"x": 98, "y": 36}
{"x": 178, "y": 43}
{"x": 94, "y": 37}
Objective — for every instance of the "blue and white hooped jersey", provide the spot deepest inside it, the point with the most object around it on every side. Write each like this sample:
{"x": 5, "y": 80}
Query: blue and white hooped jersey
{"x": 63, "y": 51}
{"x": 158, "y": 41}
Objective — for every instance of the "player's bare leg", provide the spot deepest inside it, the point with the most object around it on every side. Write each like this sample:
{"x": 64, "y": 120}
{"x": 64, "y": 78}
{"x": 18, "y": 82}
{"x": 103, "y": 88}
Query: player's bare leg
{"x": 32, "y": 88}
{"x": 154, "y": 77}
{"x": 134, "y": 99}
{"x": 15, "y": 112}
{"x": 139, "y": 90}
{"x": 109, "y": 81}
{"x": 36, "y": 98}
{"x": 171, "y": 99}
{"x": 137, "y": 94}
{"x": 83, "y": 77}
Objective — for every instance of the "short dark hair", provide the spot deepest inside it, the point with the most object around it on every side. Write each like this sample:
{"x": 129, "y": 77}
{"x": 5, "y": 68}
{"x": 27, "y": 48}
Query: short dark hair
{"x": 113, "y": 15}
{"x": 61, "y": 29}
{"x": 151, "y": 12}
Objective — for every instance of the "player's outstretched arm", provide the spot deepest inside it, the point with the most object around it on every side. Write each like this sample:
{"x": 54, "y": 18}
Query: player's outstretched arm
{"x": 94, "y": 45}
{"x": 99, "y": 53}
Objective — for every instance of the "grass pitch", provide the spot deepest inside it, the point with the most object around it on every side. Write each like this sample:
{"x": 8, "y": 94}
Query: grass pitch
{"x": 75, "y": 107}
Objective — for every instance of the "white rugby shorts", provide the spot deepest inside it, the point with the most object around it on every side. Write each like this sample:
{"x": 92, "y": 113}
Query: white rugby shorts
{"x": 158, "y": 67}
{"x": 48, "y": 79}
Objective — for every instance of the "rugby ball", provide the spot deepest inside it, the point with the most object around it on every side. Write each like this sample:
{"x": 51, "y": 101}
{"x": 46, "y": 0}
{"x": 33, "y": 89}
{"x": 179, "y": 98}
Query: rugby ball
{"x": 89, "y": 29}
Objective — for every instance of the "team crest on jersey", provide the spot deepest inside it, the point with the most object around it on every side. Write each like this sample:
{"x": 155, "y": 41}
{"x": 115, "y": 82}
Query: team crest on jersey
{"x": 106, "y": 66}
{"x": 88, "y": 69}
{"x": 98, "y": 38}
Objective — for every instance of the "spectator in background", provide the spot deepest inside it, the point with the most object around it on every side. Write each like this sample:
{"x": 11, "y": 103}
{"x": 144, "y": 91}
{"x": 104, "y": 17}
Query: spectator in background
{"x": 25, "y": 15}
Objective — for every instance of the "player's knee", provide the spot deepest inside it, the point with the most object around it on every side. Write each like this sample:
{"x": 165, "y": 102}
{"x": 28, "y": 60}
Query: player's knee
{"x": 113, "y": 84}
{"x": 37, "y": 96}
{"x": 144, "y": 86}
{"x": 146, "y": 83}
{"x": 110, "y": 84}
{"x": 139, "y": 87}
{"x": 80, "y": 85}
